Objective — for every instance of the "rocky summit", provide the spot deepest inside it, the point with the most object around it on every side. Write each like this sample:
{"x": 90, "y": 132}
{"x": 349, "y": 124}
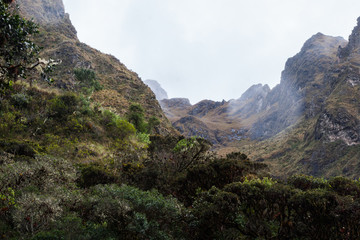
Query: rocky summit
{"x": 159, "y": 92}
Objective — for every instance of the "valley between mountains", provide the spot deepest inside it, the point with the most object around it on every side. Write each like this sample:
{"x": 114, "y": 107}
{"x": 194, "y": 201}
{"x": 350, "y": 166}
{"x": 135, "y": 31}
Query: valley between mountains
{"x": 90, "y": 151}
{"x": 308, "y": 124}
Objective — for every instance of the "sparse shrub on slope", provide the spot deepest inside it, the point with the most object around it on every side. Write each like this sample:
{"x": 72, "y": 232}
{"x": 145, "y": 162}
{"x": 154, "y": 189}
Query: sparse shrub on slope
{"x": 88, "y": 83}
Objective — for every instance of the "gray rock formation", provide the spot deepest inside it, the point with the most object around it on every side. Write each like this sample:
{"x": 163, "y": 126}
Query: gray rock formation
{"x": 286, "y": 103}
{"x": 179, "y": 103}
{"x": 159, "y": 92}
{"x": 43, "y": 11}
{"x": 354, "y": 43}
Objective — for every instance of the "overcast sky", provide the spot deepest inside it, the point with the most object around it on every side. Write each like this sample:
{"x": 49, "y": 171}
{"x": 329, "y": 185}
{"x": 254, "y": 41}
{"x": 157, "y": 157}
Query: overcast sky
{"x": 208, "y": 49}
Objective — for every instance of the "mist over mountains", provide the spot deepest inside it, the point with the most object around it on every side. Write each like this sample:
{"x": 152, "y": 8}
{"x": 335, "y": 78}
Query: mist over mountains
{"x": 315, "y": 109}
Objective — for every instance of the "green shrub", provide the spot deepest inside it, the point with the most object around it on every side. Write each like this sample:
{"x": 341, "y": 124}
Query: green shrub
{"x": 117, "y": 127}
{"x": 153, "y": 122}
{"x": 73, "y": 227}
{"x": 11, "y": 122}
{"x": 344, "y": 186}
{"x": 214, "y": 215}
{"x": 64, "y": 105}
{"x": 134, "y": 213}
{"x": 304, "y": 182}
{"x": 18, "y": 148}
{"x": 20, "y": 100}
{"x": 88, "y": 80}
{"x": 136, "y": 117}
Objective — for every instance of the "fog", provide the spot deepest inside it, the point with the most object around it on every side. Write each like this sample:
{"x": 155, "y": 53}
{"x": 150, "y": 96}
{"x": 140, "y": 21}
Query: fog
{"x": 208, "y": 49}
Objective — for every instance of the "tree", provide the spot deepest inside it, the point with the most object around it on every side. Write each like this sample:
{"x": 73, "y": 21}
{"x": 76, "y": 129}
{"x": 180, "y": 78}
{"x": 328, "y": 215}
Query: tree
{"x": 17, "y": 50}
{"x": 190, "y": 151}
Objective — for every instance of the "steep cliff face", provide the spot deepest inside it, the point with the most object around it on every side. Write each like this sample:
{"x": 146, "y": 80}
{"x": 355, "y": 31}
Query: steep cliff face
{"x": 43, "y": 11}
{"x": 249, "y": 104}
{"x": 322, "y": 137}
{"x": 352, "y": 48}
{"x": 299, "y": 90}
{"x": 122, "y": 87}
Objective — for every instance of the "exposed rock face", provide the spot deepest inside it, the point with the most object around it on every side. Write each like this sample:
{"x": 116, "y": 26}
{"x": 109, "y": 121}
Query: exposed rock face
{"x": 323, "y": 80}
{"x": 251, "y": 102}
{"x": 203, "y": 107}
{"x": 343, "y": 126}
{"x": 180, "y": 103}
{"x": 192, "y": 126}
{"x": 159, "y": 92}
{"x": 353, "y": 45}
{"x": 43, "y": 11}
{"x": 284, "y": 105}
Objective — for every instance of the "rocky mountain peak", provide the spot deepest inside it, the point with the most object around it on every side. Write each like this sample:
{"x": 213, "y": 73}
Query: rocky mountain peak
{"x": 353, "y": 44}
{"x": 43, "y": 11}
{"x": 159, "y": 92}
{"x": 255, "y": 90}
{"x": 176, "y": 102}
{"x": 48, "y": 14}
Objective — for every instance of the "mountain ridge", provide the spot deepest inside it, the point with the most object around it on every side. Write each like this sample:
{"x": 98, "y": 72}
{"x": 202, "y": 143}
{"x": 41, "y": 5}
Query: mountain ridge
{"x": 122, "y": 87}
{"x": 308, "y": 123}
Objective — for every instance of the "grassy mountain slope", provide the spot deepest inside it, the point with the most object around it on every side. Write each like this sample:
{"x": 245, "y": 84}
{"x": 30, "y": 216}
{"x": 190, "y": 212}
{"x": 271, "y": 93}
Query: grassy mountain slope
{"x": 122, "y": 87}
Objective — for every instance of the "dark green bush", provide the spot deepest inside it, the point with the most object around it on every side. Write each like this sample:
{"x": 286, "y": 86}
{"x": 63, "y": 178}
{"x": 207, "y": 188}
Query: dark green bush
{"x": 136, "y": 117}
{"x": 135, "y": 214}
{"x": 20, "y": 100}
{"x": 64, "y": 105}
{"x": 93, "y": 174}
{"x": 304, "y": 182}
{"x": 88, "y": 80}
{"x": 17, "y": 148}
{"x": 345, "y": 186}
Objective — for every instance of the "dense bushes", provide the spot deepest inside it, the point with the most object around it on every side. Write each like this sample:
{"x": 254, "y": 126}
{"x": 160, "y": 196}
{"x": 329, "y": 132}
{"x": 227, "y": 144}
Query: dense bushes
{"x": 44, "y": 197}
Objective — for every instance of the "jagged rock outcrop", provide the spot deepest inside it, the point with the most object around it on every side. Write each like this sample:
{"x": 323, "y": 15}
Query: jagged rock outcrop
{"x": 43, "y": 11}
{"x": 342, "y": 126}
{"x": 251, "y": 102}
{"x": 159, "y": 92}
{"x": 301, "y": 79}
{"x": 203, "y": 107}
{"x": 353, "y": 45}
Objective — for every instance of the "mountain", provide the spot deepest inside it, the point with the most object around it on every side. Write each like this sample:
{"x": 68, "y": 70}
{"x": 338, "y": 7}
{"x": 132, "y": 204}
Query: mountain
{"x": 207, "y": 119}
{"x": 159, "y": 92}
{"x": 309, "y": 123}
{"x": 71, "y": 168}
{"x": 57, "y": 37}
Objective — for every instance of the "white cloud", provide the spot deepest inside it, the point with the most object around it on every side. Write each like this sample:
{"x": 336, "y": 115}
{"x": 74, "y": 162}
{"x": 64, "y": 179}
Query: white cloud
{"x": 212, "y": 49}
